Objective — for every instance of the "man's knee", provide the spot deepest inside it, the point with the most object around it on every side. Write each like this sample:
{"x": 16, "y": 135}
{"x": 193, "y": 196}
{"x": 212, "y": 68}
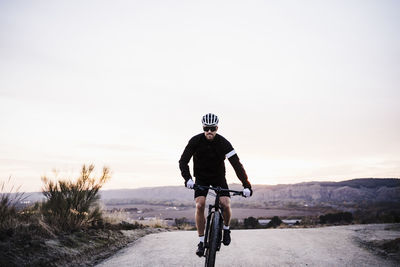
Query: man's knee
{"x": 200, "y": 204}
{"x": 225, "y": 202}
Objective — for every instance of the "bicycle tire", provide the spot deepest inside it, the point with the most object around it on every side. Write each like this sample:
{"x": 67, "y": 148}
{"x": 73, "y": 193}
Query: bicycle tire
{"x": 213, "y": 239}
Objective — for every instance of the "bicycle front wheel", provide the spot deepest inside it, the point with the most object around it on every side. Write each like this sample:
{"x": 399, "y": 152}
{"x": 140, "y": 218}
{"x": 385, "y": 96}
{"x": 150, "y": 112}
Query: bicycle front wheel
{"x": 213, "y": 239}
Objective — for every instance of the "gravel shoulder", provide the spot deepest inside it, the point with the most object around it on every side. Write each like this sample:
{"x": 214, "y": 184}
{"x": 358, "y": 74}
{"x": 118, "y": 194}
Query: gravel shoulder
{"x": 354, "y": 245}
{"x": 85, "y": 248}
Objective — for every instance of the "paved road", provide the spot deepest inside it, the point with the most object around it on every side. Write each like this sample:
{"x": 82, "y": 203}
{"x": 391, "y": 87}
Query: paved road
{"x": 329, "y": 246}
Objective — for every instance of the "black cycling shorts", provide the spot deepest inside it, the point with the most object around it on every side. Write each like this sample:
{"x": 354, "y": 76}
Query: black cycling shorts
{"x": 211, "y": 182}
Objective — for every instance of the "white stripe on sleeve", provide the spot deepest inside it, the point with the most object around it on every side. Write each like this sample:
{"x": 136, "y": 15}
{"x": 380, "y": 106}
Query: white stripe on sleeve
{"x": 230, "y": 154}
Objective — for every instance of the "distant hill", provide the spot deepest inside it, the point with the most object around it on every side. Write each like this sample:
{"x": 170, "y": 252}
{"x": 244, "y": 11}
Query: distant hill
{"x": 366, "y": 190}
{"x": 366, "y": 182}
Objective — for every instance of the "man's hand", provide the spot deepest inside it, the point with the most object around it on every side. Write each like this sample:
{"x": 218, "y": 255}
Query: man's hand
{"x": 189, "y": 184}
{"x": 247, "y": 192}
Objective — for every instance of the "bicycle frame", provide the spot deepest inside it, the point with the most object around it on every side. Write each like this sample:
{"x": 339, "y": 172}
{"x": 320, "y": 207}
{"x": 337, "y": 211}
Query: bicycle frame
{"x": 214, "y": 245}
{"x": 212, "y": 209}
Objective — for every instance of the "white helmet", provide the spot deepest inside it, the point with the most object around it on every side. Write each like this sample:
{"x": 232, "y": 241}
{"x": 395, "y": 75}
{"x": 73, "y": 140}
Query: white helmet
{"x": 210, "y": 120}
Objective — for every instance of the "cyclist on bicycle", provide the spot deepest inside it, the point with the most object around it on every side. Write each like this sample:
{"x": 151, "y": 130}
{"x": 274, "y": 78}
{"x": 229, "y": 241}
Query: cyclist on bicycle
{"x": 209, "y": 151}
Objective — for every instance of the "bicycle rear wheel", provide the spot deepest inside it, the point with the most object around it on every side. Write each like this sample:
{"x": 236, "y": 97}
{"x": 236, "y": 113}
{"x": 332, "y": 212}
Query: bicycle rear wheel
{"x": 213, "y": 239}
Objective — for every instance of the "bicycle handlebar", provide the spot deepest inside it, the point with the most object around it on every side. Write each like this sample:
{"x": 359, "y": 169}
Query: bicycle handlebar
{"x": 219, "y": 189}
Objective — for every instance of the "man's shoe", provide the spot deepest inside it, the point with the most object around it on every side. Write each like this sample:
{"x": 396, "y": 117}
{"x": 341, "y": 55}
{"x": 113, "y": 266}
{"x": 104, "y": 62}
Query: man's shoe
{"x": 200, "y": 249}
{"x": 227, "y": 237}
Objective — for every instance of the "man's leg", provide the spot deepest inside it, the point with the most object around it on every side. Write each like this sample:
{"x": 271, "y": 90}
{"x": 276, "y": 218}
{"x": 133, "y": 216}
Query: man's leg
{"x": 200, "y": 223}
{"x": 226, "y": 204}
{"x": 200, "y": 218}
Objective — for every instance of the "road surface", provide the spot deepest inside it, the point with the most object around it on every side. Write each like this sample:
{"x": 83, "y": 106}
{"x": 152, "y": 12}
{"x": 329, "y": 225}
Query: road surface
{"x": 328, "y": 246}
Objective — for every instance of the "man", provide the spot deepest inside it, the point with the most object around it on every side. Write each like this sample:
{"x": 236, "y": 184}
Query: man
{"x": 209, "y": 151}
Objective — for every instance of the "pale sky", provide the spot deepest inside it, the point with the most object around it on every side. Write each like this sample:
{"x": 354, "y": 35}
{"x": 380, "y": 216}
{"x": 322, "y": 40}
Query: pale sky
{"x": 305, "y": 90}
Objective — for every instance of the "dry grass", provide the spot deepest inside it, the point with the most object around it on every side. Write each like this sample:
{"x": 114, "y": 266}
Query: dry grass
{"x": 116, "y": 216}
{"x": 9, "y": 202}
{"x": 120, "y": 216}
{"x": 154, "y": 223}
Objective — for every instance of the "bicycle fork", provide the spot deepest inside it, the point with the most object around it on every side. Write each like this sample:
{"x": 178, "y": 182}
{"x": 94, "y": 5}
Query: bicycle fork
{"x": 221, "y": 224}
{"x": 208, "y": 223}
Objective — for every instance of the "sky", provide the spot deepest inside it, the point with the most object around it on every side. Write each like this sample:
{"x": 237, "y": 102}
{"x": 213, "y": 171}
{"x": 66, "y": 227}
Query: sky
{"x": 305, "y": 90}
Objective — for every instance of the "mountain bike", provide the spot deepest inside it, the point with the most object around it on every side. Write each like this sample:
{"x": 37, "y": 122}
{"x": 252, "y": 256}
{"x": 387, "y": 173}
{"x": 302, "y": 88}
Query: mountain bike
{"x": 214, "y": 224}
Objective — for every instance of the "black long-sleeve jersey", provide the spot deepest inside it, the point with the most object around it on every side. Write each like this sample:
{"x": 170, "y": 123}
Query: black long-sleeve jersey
{"x": 208, "y": 159}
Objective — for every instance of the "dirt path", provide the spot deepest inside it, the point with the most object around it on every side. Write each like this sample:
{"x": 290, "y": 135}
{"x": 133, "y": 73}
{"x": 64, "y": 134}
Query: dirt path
{"x": 329, "y": 246}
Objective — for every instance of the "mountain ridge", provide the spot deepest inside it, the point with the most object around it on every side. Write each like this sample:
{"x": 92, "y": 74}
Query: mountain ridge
{"x": 360, "y": 190}
{"x": 365, "y": 190}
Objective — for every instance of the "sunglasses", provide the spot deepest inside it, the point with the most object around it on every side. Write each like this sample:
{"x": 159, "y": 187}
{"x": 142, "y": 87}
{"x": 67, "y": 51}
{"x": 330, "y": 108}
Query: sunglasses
{"x": 210, "y": 128}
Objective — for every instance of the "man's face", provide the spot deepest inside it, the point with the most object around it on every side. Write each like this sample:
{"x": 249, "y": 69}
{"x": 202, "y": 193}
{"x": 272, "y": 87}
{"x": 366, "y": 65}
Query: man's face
{"x": 210, "y": 132}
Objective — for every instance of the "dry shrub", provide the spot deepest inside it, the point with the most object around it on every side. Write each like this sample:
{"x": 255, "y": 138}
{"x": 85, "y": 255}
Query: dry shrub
{"x": 74, "y": 205}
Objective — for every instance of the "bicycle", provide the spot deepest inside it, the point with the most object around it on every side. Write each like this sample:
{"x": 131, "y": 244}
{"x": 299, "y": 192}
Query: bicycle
{"x": 214, "y": 224}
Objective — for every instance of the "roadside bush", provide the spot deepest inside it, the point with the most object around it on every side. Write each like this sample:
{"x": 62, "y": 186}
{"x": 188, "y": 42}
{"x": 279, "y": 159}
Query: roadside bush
{"x": 275, "y": 222}
{"x": 235, "y": 224}
{"x": 73, "y": 205}
{"x": 181, "y": 221}
{"x": 251, "y": 223}
{"x": 183, "y": 224}
{"x": 390, "y": 216}
{"x": 375, "y": 214}
{"x": 340, "y": 217}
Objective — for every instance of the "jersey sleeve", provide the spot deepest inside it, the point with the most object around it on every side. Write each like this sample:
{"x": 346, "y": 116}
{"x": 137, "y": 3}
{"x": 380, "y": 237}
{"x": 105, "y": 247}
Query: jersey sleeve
{"x": 185, "y": 158}
{"x": 233, "y": 158}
